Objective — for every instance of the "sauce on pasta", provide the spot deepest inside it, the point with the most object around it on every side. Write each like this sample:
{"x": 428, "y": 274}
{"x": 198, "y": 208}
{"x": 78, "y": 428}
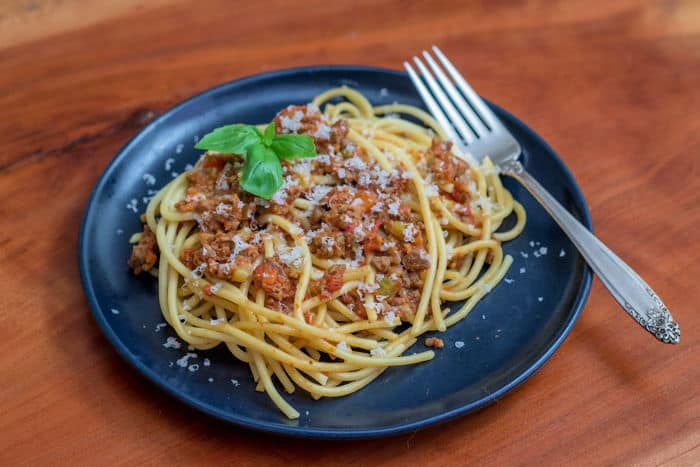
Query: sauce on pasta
{"x": 326, "y": 284}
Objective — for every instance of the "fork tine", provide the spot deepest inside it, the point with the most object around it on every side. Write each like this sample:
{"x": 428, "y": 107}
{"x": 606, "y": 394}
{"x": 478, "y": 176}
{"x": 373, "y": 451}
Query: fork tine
{"x": 433, "y": 106}
{"x": 479, "y": 105}
{"x": 457, "y": 121}
{"x": 467, "y": 112}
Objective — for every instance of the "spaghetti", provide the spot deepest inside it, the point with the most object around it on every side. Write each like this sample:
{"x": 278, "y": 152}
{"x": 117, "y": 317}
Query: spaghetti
{"x": 329, "y": 282}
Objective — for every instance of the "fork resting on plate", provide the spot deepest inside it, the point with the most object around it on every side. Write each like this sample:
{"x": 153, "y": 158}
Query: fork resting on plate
{"x": 478, "y": 132}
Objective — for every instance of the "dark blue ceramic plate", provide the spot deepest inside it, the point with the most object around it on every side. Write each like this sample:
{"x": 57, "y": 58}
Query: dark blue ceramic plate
{"x": 508, "y": 336}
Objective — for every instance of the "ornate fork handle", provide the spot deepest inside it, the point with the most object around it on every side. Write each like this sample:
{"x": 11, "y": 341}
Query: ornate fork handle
{"x": 630, "y": 291}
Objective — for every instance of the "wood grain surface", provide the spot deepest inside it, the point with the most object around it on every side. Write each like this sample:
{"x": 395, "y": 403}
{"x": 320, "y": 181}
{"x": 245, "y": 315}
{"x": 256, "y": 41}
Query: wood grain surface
{"x": 614, "y": 87}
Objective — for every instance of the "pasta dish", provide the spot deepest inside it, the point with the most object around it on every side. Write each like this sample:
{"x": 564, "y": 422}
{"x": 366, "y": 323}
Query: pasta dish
{"x": 349, "y": 261}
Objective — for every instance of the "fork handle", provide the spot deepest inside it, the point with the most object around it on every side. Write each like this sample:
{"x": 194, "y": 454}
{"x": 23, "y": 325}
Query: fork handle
{"x": 630, "y": 291}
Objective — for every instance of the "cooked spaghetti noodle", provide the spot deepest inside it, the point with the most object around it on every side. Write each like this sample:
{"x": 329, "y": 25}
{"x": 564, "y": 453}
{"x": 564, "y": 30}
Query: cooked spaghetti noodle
{"x": 328, "y": 283}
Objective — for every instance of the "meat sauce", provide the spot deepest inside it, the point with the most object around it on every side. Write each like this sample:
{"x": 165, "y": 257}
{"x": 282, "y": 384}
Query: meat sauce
{"x": 145, "y": 253}
{"x": 359, "y": 218}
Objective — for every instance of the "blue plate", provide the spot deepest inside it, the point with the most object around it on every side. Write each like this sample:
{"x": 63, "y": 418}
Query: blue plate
{"x": 508, "y": 336}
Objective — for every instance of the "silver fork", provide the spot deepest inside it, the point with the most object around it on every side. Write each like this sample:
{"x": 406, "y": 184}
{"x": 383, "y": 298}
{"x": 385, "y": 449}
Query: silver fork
{"x": 476, "y": 130}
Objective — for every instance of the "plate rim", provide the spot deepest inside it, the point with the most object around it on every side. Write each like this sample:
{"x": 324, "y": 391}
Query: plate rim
{"x": 311, "y": 432}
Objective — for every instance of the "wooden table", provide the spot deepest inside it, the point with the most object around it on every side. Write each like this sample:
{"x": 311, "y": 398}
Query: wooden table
{"x": 613, "y": 86}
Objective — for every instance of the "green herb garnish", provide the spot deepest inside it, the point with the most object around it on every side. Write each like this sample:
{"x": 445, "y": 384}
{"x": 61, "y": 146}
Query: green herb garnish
{"x": 387, "y": 287}
{"x": 262, "y": 171}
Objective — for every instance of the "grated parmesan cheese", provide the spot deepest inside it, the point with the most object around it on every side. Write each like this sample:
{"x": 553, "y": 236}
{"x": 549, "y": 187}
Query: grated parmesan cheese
{"x": 292, "y": 124}
{"x": 303, "y": 168}
{"x": 409, "y": 234}
{"x": 322, "y": 132}
{"x": 182, "y": 361}
{"x": 291, "y": 256}
{"x": 172, "y": 343}
{"x": 133, "y": 205}
{"x": 222, "y": 182}
{"x": 355, "y": 163}
{"x": 393, "y": 208}
{"x": 364, "y": 179}
{"x": 222, "y": 209}
{"x": 318, "y": 192}
{"x": 280, "y": 196}
{"x": 238, "y": 245}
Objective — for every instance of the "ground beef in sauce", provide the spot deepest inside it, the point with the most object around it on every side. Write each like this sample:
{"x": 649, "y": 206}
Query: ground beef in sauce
{"x": 270, "y": 277}
{"x": 355, "y": 304}
{"x": 405, "y": 300}
{"x": 416, "y": 260}
{"x": 333, "y": 278}
{"x": 450, "y": 172}
{"x": 215, "y": 254}
{"x": 331, "y": 282}
{"x": 308, "y": 120}
{"x": 213, "y": 195}
{"x": 382, "y": 263}
{"x": 334, "y": 209}
{"x": 285, "y": 306}
{"x": 363, "y": 219}
{"x": 145, "y": 253}
{"x": 328, "y": 244}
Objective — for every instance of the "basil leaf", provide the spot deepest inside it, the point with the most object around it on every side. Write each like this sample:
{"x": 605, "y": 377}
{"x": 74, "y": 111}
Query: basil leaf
{"x": 290, "y": 146}
{"x": 230, "y": 139}
{"x": 269, "y": 134}
{"x": 262, "y": 172}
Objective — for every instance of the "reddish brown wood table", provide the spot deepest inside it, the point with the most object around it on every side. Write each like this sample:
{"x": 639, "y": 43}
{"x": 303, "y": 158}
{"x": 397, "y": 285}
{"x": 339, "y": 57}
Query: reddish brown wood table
{"x": 614, "y": 87}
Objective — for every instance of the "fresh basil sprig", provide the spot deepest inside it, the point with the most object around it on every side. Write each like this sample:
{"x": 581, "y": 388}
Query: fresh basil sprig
{"x": 262, "y": 171}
